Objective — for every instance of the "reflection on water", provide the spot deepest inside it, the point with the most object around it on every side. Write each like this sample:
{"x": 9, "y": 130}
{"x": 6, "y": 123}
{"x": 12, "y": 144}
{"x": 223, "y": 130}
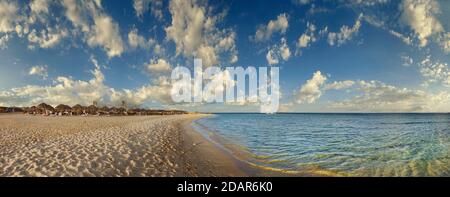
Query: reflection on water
{"x": 354, "y": 144}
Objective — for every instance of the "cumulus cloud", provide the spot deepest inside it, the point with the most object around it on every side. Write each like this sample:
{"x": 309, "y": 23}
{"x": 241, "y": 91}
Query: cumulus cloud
{"x": 193, "y": 30}
{"x": 106, "y": 34}
{"x": 407, "y": 61}
{"x": 445, "y": 42}
{"x": 69, "y": 91}
{"x": 137, "y": 41}
{"x": 39, "y": 10}
{"x": 76, "y": 13}
{"x": 420, "y": 15}
{"x": 47, "y": 38}
{"x": 309, "y": 36}
{"x": 142, "y": 6}
{"x": 375, "y": 96}
{"x": 8, "y": 16}
{"x": 159, "y": 65}
{"x": 100, "y": 30}
{"x": 279, "y": 25}
{"x": 39, "y": 71}
{"x": 435, "y": 72}
{"x": 311, "y": 90}
{"x": 271, "y": 58}
{"x": 345, "y": 34}
{"x": 339, "y": 85}
{"x": 276, "y": 52}
{"x": 4, "y": 41}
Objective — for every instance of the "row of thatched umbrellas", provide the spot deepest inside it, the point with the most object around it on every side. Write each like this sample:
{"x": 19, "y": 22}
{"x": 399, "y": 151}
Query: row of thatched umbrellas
{"x": 62, "y": 109}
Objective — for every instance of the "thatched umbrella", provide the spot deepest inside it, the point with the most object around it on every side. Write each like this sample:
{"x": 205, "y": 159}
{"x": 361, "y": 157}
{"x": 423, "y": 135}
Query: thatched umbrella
{"x": 61, "y": 108}
{"x": 122, "y": 110}
{"x": 33, "y": 110}
{"x": 104, "y": 110}
{"x": 45, "y": 108}
{"x": 131, "y": 112}
{"x": 92, "y": 109}
{"x": 78, "y": 109}
{"x": 113, "y": 111}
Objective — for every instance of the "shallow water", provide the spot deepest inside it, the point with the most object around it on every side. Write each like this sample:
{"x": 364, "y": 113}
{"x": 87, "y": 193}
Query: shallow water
{"x": 353, "y": 144}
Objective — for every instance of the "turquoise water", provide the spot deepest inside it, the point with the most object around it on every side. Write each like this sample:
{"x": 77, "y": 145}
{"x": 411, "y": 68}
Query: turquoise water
{"x": 351, "y": 144}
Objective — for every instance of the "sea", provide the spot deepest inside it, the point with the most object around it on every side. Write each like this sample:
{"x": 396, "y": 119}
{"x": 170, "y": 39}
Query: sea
{"x": 348, "y": 144}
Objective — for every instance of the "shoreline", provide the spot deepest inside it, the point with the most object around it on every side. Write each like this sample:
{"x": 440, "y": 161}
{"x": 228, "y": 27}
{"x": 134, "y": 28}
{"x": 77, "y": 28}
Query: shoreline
{"x": 229, "y": 157}
{"x": 209, "y": 160}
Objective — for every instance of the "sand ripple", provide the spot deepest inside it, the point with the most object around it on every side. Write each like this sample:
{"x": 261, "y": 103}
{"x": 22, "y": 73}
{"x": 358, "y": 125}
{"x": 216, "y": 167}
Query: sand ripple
{"x": 90, "y": 146}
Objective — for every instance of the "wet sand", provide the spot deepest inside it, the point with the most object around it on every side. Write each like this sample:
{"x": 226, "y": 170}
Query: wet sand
{"x": 109, "y": 146}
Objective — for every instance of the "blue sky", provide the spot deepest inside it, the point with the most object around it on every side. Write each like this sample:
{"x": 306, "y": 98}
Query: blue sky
{"x": 347, "y": 55}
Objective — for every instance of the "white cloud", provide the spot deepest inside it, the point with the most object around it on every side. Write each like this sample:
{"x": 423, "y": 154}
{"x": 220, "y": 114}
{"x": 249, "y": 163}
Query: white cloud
{"x": 4, "y": 41}
{"x": 311, "y": 90}
{"x": 39, "y": 10}
{"x": 142, "y": 6}
{"x": 103, "y": 32}
{"x": 69, "y": 91}
{"x": 280, "y": 51}
{"x": 8, "y": 16}
{"x": 302, "y": 2}
{"x": 106, "y": 34}
{"x": 339, "y": 85}
{"x": 159, "y": 65}
{"x": 137, "y": 41}
{"x": 271, "y": 58}
{"x": 435, "y": 72}
{"x": 39, "y": 71}
{"x": 445, "y": 42}
{"x": 372, "y": 20}
{"x": 194, "y": 32}
{"x": 280, "y": 25}
{"x": 375, "y": 96}
{"x": 366, "y": 2}
{"x": 308, "y": 37}
{"x": 76, "y": 13}
{"x": 407, "y": 61}
{"x": 345, "y": 34}
{"x": 47, "y": 38}
{"x": 420, "y": 16}
{"x": 406, "y": 39}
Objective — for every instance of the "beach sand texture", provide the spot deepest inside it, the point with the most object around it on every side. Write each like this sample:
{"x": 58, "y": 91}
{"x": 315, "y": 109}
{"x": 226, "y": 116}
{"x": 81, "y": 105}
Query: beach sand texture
{"x": 107, "y": 146}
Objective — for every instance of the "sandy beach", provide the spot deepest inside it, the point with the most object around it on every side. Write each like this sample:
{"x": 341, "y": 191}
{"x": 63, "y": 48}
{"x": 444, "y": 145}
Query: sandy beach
{"x": 109, "y": 146}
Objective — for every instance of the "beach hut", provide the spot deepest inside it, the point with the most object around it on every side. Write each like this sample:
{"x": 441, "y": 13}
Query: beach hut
{"x": 3, "y": 109}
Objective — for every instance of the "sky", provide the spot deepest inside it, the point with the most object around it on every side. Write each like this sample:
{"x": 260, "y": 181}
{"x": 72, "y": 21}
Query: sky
{"x": 334, "y": 56}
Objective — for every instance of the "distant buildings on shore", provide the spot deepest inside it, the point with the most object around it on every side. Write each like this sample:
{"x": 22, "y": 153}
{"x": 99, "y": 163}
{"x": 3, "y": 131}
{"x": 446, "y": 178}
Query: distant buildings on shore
{"x": 79, "y": 110}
